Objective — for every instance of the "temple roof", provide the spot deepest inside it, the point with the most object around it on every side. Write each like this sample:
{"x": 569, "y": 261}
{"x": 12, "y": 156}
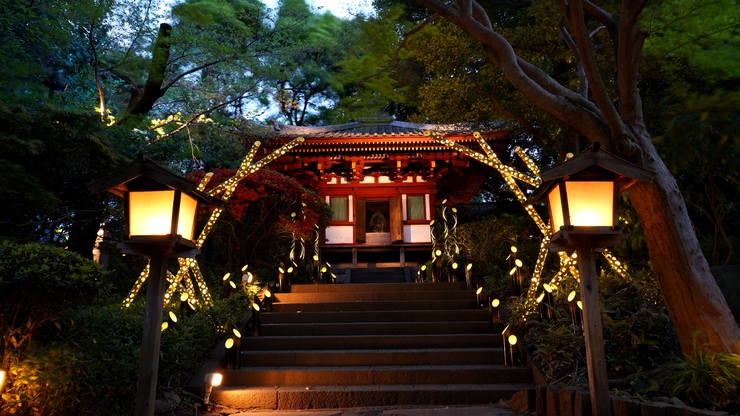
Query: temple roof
{"x": 396, "y": 149}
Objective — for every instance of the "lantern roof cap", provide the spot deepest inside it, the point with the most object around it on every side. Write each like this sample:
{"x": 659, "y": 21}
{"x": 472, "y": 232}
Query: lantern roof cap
{"x": 144, "y": 169}
{"x": 625, "y": 173}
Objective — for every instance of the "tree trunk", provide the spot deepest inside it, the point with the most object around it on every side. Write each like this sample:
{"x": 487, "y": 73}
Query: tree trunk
{"x": 153, "y": 88}
{"x": 694, "y": 301}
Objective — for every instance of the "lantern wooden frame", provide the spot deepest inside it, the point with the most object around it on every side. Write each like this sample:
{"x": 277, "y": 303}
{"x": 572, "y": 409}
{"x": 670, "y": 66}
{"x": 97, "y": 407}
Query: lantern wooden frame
{"x": 593, "y": 165}
{"x": 145, "y": 176}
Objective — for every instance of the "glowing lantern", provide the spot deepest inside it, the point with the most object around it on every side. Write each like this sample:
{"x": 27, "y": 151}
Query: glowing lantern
{"x": 158, "y": 205}
{"x": 582, "y": 196}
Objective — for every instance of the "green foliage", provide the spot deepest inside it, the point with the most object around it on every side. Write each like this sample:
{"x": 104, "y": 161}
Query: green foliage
{"x": 638, "y": 334}
{"x": 703, "y": 33}
{"x": 559, "y": 350}
{"x": 704, "y": 378}
{"x": 91, "y": 367}
{"x": 637, "y": 329}
{"x": 38, "y": 283}
{"x": 488, "y": 243}
{"x": 51, "y": 156}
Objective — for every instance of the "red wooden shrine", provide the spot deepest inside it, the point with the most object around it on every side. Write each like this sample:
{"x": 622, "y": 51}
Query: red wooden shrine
{"x": 383, "y": 182}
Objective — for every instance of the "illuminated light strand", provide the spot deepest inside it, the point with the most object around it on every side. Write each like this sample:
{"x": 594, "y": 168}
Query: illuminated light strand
{"x": 531, "y": 165}
{"x": 484, "y": 145}
{"x": 433, "y": 239}
{"x": 240, "y": 172}
{"x": 201, "y": 284}
{"x": 137, "y": 286}
{"x": 538, "y": 267}
{"x": 616, "y": 264}
{"x": 203, "y": 182}
{"x": 491, "y": 160}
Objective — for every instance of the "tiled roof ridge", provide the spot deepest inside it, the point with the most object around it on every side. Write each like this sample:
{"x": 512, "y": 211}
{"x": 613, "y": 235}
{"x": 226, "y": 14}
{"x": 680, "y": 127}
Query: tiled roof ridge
{"x": 287, "y": 128}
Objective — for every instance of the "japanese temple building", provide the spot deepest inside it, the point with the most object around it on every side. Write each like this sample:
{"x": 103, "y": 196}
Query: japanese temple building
{"x": 383, "y": 182}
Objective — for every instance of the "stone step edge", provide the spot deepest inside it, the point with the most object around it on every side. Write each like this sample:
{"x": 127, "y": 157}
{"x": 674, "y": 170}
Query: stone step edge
{"x": 380, "y": 351}
{"x": 332, "y": 397}
{"x": 354, "y": 287}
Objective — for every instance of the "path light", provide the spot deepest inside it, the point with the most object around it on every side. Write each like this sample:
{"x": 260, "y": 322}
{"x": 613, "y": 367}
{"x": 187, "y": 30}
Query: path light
{"x": 582, "y": 195}
{"x": 573, "y": 309}
{"x": 437, "y": 271}
{"x": 225, "y": 286}
{"x": 3, "y": 375}
{"x": 172, "y": 319}
{"x": 211, "y": 380}
{"x": 469, "y": 276}
{"x": 281, "y": 278}
{"x": 549, "y": 301}
{"x": 478, "y": 297}
{"x": 514, "y": 350}
{"x": 184, "y": 305}
{"x": 237, "y": 350}
{"x": 159, "y": 214}
{"x": 453, "y": 272}
{"x": 496, "y": 314}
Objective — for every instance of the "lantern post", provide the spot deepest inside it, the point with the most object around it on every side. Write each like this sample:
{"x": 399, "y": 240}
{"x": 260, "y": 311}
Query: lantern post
{"x": 582, "y": 195}
{"x": 160, "y": 210}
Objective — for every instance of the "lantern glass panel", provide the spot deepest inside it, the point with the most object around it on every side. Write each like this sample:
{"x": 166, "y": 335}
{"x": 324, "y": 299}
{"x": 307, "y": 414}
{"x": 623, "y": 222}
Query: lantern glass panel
{"x": 590, "y": 203}
{"x": 150, "y": 213}
{"x": 556, "y": 208}
{"x": 186, "y": 220}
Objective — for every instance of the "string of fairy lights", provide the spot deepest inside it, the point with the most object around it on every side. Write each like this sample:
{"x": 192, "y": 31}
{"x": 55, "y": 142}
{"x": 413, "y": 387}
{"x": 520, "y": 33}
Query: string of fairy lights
{"x": 568, "y": 263}
{"x": 181, "y": 281}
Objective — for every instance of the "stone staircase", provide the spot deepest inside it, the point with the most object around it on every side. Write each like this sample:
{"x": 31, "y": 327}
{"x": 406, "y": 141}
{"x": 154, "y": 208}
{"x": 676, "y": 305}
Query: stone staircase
{"x": 350, "y": 345}
{"x": 380, "y": 275}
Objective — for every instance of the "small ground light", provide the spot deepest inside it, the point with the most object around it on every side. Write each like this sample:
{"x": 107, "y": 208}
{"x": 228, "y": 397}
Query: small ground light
{"x": 496, "y": 314}
{"x": 513, "y": 350}
{"x": 478, "y": 296}
{"x": 3, "y": 376}
{"x": 184, "y": 305}
{"x": 575, "y": 313}
{"x": 211, "y": 380}
{"x": 165, "y": 325}
{"x": 173, "y": 319}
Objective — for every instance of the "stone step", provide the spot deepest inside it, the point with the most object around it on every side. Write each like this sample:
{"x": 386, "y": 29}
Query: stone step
{"x": 363, "y": 342}
{"x": 378, "y": 279}
{"x": 376, "y": 375}
{"x": 373, "y": 357}
{"x": 337, "y": 397}
{"x": 376, "y": 287}
{"x": 435, "y": 315}
{"x": 375, "y": 328}
{"x": 322, "y": 297}
{"x": 378, "y": 305}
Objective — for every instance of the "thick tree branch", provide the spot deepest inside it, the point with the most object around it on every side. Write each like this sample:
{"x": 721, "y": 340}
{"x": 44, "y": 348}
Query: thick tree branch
{"x": 582, "y": 80}
{"x": 538, "y": 87}
{"x": 631, "y": 40}
{"x": 519, "y": 119}
{"x": 573, "y": 12}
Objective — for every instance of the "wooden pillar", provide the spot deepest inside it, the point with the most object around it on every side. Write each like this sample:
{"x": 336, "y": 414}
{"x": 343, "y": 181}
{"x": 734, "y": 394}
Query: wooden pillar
{"x": 593, "y": 332}
{"x": 146, "y": 390}
{"x": 396, "y": 220}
